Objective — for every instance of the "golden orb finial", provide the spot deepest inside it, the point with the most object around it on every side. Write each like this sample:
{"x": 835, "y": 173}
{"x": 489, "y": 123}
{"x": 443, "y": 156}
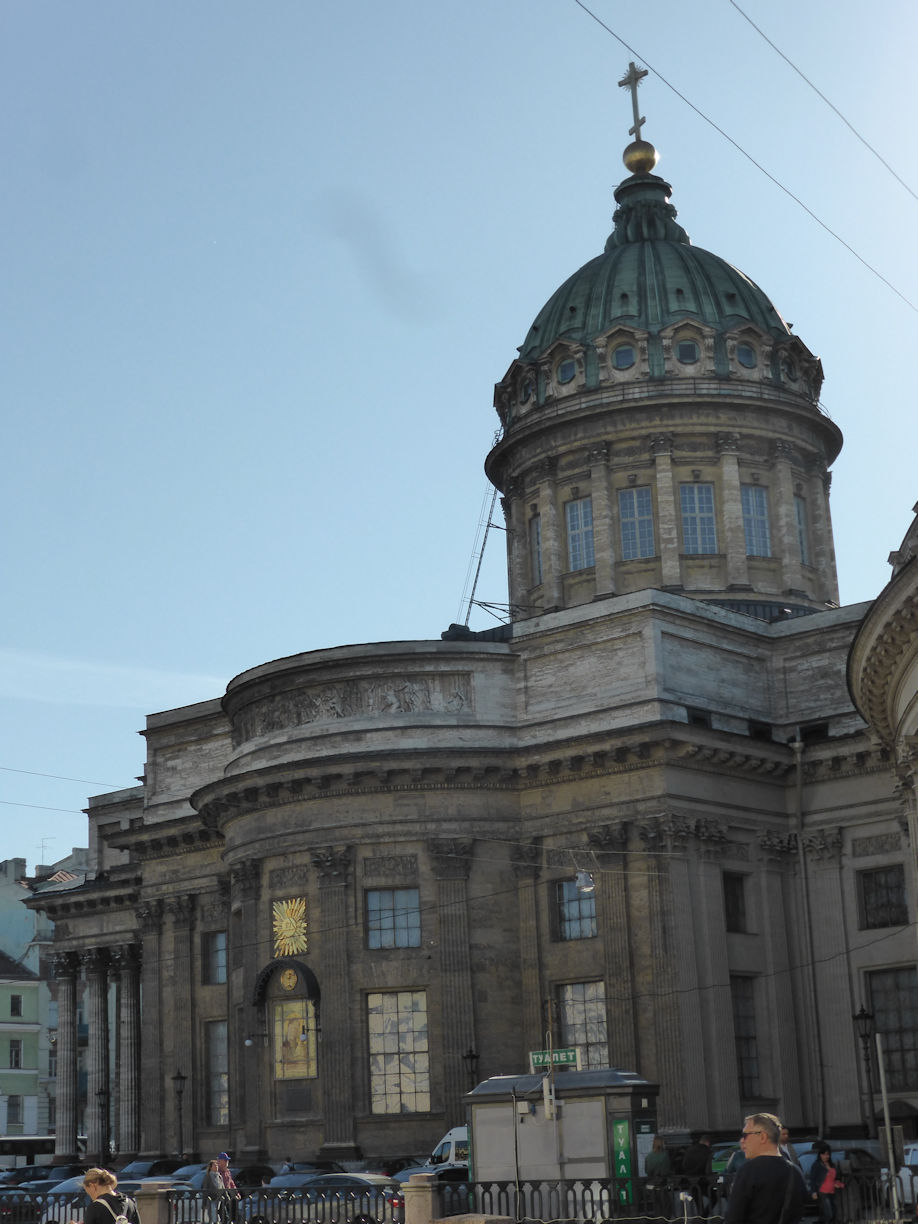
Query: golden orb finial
{"x": 640, "y": 157}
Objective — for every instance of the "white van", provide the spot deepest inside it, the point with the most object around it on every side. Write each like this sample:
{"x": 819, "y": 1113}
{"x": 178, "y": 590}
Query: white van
{"x": 452, "y": 1151}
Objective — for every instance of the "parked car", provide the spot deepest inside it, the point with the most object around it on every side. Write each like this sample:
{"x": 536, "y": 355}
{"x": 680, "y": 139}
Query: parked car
{"x": 150, "y": 1168}
{"x": 12, "y": 1177}
{"x": 362, "y": 1198}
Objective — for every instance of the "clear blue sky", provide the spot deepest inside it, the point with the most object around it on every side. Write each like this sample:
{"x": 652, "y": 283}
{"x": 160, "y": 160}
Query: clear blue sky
{"x": 264, "y": 262}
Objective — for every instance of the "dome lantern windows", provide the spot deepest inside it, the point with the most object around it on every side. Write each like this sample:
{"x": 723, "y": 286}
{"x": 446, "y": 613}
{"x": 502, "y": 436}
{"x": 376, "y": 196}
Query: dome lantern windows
{"x": 746, "y": 356}
{"x": 566, "y": 371}
{"x": 687, "y": 352}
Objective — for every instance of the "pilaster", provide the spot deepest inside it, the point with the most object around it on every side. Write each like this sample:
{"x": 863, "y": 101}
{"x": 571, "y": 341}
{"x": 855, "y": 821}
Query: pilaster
{"x": 126, "y": 962}
{"x": 598, "y": 458}
{"x": 150, "y": 917}
{"x": 333, "y": 868}
{"x": 668, "y": 522}
{"x": 66, "y": 967}
{"x": 452, "y": 860}
{"x": 734, "y": 543}
{"x": 527, "y": 861}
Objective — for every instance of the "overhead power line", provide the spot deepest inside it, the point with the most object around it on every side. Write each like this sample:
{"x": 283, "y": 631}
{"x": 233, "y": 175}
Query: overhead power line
{"x": 739, "y": 148}
{"x": 832, "y": 107}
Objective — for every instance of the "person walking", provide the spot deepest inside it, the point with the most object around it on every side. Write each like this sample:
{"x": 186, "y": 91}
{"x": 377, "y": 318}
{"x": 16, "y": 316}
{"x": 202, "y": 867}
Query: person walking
{"x": 767, "y": 1188}
{"x": 230, "y": 1193}
{"x": 106, "y": 1204}
{"x": 824, "y": 1181}
{"x": 214, "y": 1191}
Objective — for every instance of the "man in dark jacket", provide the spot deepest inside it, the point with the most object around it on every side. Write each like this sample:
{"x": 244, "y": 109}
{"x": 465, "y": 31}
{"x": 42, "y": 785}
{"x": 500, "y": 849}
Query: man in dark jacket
{"x": 767, "y": 1189}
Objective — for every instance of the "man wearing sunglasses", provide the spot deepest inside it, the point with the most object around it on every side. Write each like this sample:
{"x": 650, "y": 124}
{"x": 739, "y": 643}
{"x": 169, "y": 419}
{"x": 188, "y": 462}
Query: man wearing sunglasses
{"x": 767, "y": 1189}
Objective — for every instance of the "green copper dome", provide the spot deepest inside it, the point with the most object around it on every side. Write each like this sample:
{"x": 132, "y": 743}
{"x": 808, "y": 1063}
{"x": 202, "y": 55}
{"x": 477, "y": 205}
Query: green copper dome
{"x": 649, "y": 277}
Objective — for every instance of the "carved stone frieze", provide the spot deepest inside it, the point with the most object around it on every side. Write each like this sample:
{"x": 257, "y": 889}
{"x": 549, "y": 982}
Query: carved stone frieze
{"x": 391, "y": 866}
{"x": 666, "y": 832}
{"x": 332, "y": 864}
{"x": 823, "y": 844}
{"x": 598, "y": 453}
{"x": 360, "y": 697}
{"x": 293, "y": 875}
{"x": 882, "y": 843}
{"x": 711, "y": 835}
{"x": 452, "y": 857}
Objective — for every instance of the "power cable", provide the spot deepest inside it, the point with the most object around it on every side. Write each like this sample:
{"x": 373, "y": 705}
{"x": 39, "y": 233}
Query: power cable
{"x": 739, "y": 148}
{"x": 864, "y": 141}
{"x": 34, "y": 773}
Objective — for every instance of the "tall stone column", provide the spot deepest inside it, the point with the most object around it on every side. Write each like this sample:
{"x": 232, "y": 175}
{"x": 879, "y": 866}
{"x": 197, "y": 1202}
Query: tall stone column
{"x": 98, "y": 1081}
{"x": 667, "y": 519}
{"x": 552, "y": 546}
{"x": 452, "y": 860}
{"x": 817, "y": 503}
{"x": 785, "y": 542}
{"x": 66, "y": 967}
{"x": 660, "y": 974}
{"x": 603, "y": 548}
{"x": 734, "y": 542}
{"x": 150, "y": 917}
{"x": 527, "y": 862}
{"x": 517, "y": 525}
{"x": 126, "y": 961}
{"x": 609, "y": 844}
{"x": 247, "y": 1104}
{"x": 181, "y": 910}
{"x": 332, "y": 866}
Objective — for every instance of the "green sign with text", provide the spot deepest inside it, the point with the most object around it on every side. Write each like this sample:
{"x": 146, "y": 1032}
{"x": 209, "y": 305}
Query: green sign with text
{"x": 539, "y": 1059}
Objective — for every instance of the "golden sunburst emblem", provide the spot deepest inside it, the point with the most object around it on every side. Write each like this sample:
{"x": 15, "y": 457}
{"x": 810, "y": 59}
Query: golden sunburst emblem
{"x": 290, "y": 926}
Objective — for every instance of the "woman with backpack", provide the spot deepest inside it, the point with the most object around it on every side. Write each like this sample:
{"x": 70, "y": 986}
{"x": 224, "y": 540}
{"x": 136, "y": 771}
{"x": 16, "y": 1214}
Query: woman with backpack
{"x": 107, "y": 1206}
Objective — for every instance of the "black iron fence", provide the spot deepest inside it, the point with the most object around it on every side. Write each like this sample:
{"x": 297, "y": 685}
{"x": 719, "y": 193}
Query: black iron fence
{"x": 865, "y": 1197}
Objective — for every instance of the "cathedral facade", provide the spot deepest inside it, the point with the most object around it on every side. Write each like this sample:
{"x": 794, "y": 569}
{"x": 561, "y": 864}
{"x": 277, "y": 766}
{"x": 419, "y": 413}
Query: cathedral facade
{"x": 644, "y": 819}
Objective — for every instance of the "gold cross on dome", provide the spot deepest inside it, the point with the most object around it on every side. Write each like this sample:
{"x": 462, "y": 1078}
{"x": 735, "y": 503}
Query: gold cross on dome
{"x": 631, "y": 80}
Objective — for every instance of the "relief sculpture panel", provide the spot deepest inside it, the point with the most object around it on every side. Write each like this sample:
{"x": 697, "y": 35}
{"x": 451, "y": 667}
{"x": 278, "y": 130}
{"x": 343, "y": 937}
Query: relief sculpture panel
{"x": 380, "y": 696}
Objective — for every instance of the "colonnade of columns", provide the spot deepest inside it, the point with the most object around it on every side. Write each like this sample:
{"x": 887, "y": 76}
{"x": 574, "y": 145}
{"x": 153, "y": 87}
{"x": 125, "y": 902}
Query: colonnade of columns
{"x": 111, "y": 1109}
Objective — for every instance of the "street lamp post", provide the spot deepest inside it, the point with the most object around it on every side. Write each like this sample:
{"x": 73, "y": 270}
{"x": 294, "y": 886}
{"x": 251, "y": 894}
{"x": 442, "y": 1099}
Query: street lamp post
{"x": 470, "y": 1058}
{"x": 865, "y": 1028}
{"x": 178, "y": 1083}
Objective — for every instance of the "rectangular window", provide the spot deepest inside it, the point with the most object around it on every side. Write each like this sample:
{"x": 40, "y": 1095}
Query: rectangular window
{"x": 14, "y": 1110}
{"x": 213, "y": 957}
{"x": 535, "y": 549}
{"x": 803, "y": 535}
{"x": 635, "y": 510}
{"x": 216, "y": 1055}
{"x": 393, "y": 918}
{"x": 699, "y": 534}
{"x": 894, "y": 1003}
{"x": 52, "y": 1064}
{"x": 582, "y": 1017}
{"x": 734, "y": 901}
{"x": 881, "y": 897}
{"x": 742, "y": 994}
{"x": 576, "y": 910}
{"x": 755, "y": 520}
{"x": 15, "y": 1054}
{"x": 579, "y": 516}
{"x": 15, "y": 1005}
{"x": 398, "y": 1049}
